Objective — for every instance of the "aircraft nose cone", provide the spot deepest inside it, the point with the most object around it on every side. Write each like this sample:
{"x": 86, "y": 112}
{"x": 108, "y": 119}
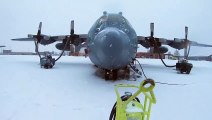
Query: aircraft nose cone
{"x": 113, "y": 47}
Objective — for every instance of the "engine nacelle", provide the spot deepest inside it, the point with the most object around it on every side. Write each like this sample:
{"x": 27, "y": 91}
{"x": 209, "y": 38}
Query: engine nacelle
{"x": 178, "y": 43}
{"x": 61, "y": 46}
{"x": 162, "y": 49}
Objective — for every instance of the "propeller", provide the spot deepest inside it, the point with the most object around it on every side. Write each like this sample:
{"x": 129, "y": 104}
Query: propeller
{"x": 186, "y": 32}
{"x": 71, "y": 39}
{"x": 72, "y": 27}
{"x": 155, "y": 42}
{"x": 39, "y": 28}
{"x": 67, "y": 41}
{"x": 183, "y": 43}
{"x": 73, "y": 36}
{"x": 39, "y": 36}
{"x": 186, "y": 52}
{"x": 152, "y": 29}
{"x": 151, "y": 38}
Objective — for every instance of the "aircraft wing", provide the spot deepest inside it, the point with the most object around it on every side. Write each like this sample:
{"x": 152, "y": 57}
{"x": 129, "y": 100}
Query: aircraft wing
{"x": 23, "y": 39}
{"x": 75, "y": 39}
{"x": 78, "y": 40}
{"x": 175, "y": 43}
{"x": 147, "y": 43}
{"x": 42, "y": 39}
{"x": 156, "y": 43}
{"x": 192, "y": 43}
{"x": 45, "y": 39}
{"x": 62, "y": 37}
{"x": 183, "y": 43}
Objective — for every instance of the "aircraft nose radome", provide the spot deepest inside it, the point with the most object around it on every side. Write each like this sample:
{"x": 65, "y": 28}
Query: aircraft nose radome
{"x": 114, "y": 45}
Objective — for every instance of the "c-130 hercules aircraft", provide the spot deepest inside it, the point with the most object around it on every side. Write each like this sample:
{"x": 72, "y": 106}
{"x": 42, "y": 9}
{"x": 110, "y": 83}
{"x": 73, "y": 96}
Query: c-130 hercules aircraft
{"x": 111, "y": 43}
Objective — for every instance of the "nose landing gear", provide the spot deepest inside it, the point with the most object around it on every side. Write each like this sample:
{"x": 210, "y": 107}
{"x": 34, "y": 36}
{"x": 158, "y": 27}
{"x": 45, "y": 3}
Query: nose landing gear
{"x": 124, "y": 73}
{"x": 111, "y": 74}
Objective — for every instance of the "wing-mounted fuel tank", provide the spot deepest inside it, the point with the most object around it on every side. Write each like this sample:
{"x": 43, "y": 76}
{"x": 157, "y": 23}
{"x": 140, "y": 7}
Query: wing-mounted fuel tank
{"x": 112, "y": 42}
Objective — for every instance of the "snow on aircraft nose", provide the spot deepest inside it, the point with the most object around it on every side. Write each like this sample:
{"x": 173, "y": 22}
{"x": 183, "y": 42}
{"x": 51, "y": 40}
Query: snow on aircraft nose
{"x": 115, "y": 45}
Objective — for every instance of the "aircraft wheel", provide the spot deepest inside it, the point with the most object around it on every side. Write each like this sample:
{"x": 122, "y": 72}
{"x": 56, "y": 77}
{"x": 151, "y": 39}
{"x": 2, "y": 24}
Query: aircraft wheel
{"x": 46, "y": 66}
{"x": 188, "y": 71}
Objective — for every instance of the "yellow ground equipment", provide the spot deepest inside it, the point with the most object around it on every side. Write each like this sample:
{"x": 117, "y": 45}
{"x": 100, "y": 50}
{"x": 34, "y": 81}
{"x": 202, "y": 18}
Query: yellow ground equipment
{"x": 129, "y": 107}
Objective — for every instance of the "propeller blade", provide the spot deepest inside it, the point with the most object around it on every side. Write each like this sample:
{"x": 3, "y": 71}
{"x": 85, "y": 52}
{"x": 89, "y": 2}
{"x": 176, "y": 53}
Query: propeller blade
{"x": 39, "y": 28}
{"x": 186, "y": 44}
{"x": 36, "y": 47}
{"x": 72, "y": 27}
{"x": 152, "y": 29}
{"x": 186, "y": 32}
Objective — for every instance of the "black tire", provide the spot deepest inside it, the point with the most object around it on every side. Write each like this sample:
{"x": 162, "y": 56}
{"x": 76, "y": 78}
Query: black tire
{"x": 188, "y": 71}
{"x": 181, "y": 71}
{"x": 46, "y": 66}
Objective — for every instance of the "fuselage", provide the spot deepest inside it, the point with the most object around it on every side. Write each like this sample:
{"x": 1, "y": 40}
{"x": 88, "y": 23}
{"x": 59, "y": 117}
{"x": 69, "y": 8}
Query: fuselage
{"x": 112, "y": 42}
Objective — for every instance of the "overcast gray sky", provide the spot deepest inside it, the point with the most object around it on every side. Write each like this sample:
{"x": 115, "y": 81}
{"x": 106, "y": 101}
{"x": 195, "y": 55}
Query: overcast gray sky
{"x": 21, "y": 17}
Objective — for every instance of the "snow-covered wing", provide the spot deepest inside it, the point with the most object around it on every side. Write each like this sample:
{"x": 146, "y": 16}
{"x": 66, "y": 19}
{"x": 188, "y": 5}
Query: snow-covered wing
{"x": 23, "y": 39}
{"x": 192, "y": 43}
{"x": 62, "y": 37}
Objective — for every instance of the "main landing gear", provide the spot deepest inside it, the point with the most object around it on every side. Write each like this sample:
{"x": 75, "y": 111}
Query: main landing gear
{"x": 183, "y": 66}
{"x": 47, "y": 61}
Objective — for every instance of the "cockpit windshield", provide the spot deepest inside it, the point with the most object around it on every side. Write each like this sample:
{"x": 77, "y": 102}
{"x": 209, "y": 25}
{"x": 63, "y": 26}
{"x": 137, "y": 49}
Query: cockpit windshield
{"x": 113, "y": 20}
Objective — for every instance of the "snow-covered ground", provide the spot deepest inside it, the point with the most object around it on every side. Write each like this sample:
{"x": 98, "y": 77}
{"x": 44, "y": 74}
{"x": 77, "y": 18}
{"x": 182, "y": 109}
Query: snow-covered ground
{"x": 72, "y": 90}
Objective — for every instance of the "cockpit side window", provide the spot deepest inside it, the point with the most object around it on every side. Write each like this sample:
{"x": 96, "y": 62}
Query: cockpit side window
{"x": 101, "y": 23}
